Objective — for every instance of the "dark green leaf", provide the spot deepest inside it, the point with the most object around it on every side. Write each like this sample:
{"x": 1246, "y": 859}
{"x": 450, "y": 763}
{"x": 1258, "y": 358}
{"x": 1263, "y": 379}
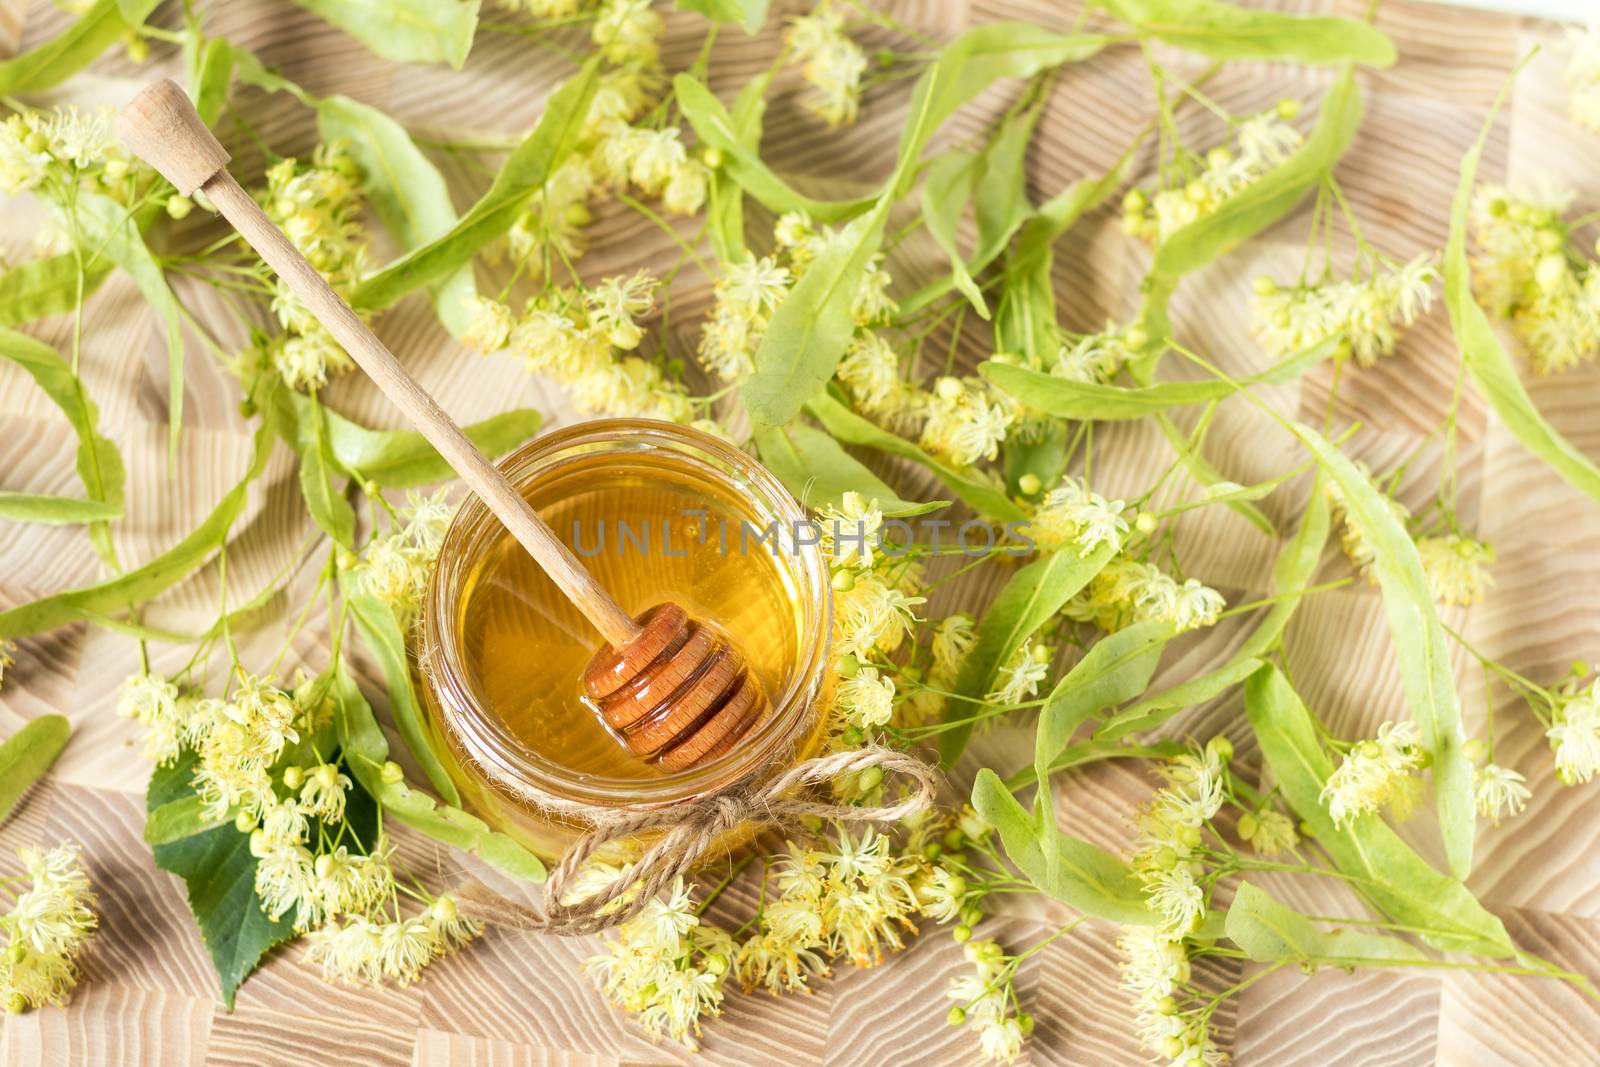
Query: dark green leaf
{"x": 1383, "y": 868}
{"x": 1271, "y": 933}
{"x": 1223, "y": 31}
{"x": 406, "y": 191}
{"x": 1078, "y": 874}
{"x": 27, "y": 754}
{"x": 1030, "y": 599}
{"x": 852, "y": 429}
{"x": 813, "y": 467}
{"x": 524, "y": 173}
{"x": 220, "y": 875}
{"x": 1486, "y": 358}
{"x": 1419, "y": 641}
{"x": 406, "y": 31}
{"x": 140, "y": 584}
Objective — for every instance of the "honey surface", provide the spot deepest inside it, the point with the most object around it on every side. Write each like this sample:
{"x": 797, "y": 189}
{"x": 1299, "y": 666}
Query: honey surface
{"x": 640, "y": 531}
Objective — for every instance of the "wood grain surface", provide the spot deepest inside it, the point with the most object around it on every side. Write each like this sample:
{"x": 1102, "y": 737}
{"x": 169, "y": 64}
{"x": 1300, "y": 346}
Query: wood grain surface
{"x": 149, "y": 995}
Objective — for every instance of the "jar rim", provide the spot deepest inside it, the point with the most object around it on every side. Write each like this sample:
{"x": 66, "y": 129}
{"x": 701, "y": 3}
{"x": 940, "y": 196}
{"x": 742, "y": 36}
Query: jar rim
{"x": 481, "y": 733}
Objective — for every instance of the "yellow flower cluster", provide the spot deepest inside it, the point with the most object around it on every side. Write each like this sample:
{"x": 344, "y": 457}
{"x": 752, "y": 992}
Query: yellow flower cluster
{"x": 1168, "y": 861}
{"x": 395, "y": 567}
{"x": 1200, "y": 186}
{"x": 49, "y": 925}
{"x": 1526, "y": 269}
{"x": 830, "y": 62}
{"x": 1367, "y": 313}
{"x": 579, "y": 339}
{"x": 1457, "y": 568}
{"x": 1583, "y": 77}
{"x": 63, "y": 149}
{"x": 1574, "y": 732}
{"x": 986, "y": 1001}
{"x": 1072, "y": 514}
{"x": 1127, "y": 591}
{"x": 1377, "y": 773}
{"x": 363, "y": 950}
{"x": 318, "y": 206}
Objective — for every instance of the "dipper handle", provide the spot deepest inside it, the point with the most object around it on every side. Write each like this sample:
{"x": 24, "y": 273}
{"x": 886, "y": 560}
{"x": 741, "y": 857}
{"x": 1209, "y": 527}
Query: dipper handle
{"x": 161, "y": 126}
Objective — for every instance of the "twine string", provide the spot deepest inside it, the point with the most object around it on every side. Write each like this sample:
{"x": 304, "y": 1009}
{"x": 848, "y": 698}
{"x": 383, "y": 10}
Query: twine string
{"x": 691, "y": 832}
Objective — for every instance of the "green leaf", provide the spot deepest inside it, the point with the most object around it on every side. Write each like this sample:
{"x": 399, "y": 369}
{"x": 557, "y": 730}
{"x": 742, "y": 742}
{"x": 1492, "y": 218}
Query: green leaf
{"x": 48, "y": 286}
{"x": 524, "y": 173}
{"x": 852, "y": 429}
{"x": 1397, "y": 881}
{"x": 737, "y": 138}
{"x": 140, "y": 584}
{"x": 748, "y": 15}
{"x": 219, "y": 874}
{"x": 1419, "y": 642}
{"x": 1223, "y": 31}
{"x": 54, "y": 510}
{"x": 209, "y": 64}
{"x": 1271, "y": 933}
{"x": 1080, "y": 875}
{"x": 1486, "y": 359}
{"x": 1030, "y": 599}
{"x": 818, "y": 472}
{"x": 725, "y": 203}
{"x": 365, "y": 751}
{"x": 946, "y": 191}
{"x": 1154, "y": 710}
{"x": 112, "y": 230}
{"x": 1292, "y": 572}
{"x": 1094, "y": 401}
{"x": 321, "y": 484}
{"x": 385, "y": 640}
{"x": 1117, "y": 668}
{"x": 80, "y": 44}
{"x": 811, "y": 328}
{"x": 406, "y": 191}
{"x": 177, "y": 819}
{"x": 1201, "y": 470}
{"x": 27, "y": 754}
{"x": 99, "y": 464}
{"x": 1273, "y": 195}
{"x": 406, "y": 31}
{"x": 1040, "y": 450}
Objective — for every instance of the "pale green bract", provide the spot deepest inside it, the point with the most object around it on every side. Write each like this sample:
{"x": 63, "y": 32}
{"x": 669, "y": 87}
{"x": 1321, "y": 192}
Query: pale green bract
{"x": 1271, "y": 933}
{"x": 813, "y": 467}
{"x": 26, "y": 755}
{"x": 407, "y": 31}
{"x": 1223, "y": 31}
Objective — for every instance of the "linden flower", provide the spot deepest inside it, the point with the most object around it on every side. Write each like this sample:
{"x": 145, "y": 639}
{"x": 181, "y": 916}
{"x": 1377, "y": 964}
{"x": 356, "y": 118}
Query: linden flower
{"x": 866, "y": 700}
{"x": 1127, "y": 591}
{"x": 1353, "y": 537}
{"x": 666, "y": 966}
{"x": 1020, "y": 676}
{"x": 49, "y": 925}
{"x": 1523, "y": 270}
{"x": 628, "y": 31}
{"x": 830, "y": 62}
{"x": 1457, "y": 568}
{"x": 1097, "y": 357}
{"x": 985, "y": 997}
{"x": 1377, "y": 773}
{"x": 361, "y": 950}
{"x": 1366, "y": 313}
{"x": 1575, "y": 735}
{"x": 965, "y": 421}
{"x": 1269, "y": 832}
{"x": 8, "y": 650}
{"x": 1583, "y": 77}
{"x": 152, "y": 701}
{"x": 951, "y": 641}
{"x": 1500, "y": 792}
{"x": 851, "y": 531}
{"x": 615, "y": 303}
{"x": 1071, "y": 514}
{"x": 746, "y": 295}
{"x": 870, "y": 372}
{"x": 489, "y": 329}
{"x": 1263, "y": 143}
{"x": 871, "y": 616}
{"x": 323, "y": 794}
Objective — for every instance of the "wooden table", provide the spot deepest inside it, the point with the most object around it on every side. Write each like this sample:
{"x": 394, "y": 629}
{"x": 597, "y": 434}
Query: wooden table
{"x": 149, "y": 996}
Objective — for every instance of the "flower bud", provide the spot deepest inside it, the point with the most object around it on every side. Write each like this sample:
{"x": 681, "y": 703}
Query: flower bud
{"x": 1288, "y": 109}
{"x": 1146, "y": 522}
{"x": 1134, "y": 200}
{"x": 1249, "y": 825}
{"x": 847, "y": 666}
{"x": 178, "y": 207}
{"x": 16, "y": 1004}
{"x": 1136, "y": 337}
{"x": 1220, "y": 747}
{"x": 244, "y": 822}
{"x": 962, "y": 934}
{"x": 954, "y": 839}
{"x": 444, "y": 909}
{"x": 1551, "y": 271}
{"x": 870, "y": 779}
{"x": 1263, "y": 285}
{"x": 1219, "y": 157}
{"x": 1025, "y": 1024}
{"x": 852, "y": 736}
{"x": 293, "y": 777}
{"x": 1475, "y": 750}
{"x": 716, "y": 963}
{"x": 956, "y": 1016}
{"x": 843, "y": 580}
{"x": 16, "y": 953}
{"x": 1029, "y": 484}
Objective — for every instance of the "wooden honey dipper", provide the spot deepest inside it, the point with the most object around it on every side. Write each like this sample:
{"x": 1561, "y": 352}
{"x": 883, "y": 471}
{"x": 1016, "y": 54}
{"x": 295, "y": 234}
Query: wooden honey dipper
{"x": 669, "y": 687}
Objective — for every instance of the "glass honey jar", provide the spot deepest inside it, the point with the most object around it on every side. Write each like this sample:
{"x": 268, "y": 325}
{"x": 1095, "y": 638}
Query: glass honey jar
{"x": 657, "y": 512}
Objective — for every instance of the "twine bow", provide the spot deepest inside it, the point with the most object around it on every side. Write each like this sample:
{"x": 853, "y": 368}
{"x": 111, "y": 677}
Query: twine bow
{"x": 692, "y": 830}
